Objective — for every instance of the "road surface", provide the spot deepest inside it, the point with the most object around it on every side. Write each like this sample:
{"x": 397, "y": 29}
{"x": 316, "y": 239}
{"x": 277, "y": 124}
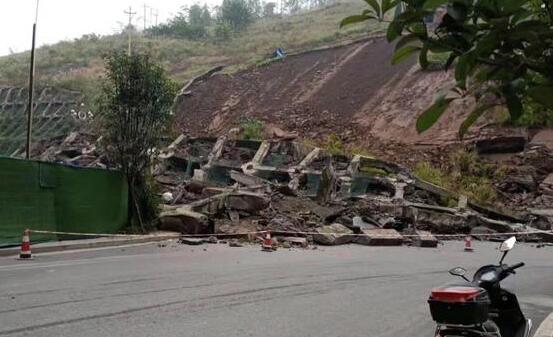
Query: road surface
{"x": 215, "y": 290}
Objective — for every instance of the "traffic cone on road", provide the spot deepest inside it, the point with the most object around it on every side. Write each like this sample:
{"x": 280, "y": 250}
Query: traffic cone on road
{"x": 267, "y": 244}
{"x": 25, "y": 246}
{"x": 468, "y": 244}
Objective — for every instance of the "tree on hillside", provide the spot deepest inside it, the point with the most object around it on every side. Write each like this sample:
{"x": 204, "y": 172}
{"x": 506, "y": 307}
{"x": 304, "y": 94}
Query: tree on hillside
{"x": 294, "y": 6}
{"x": 269, "y": 9}
{"x": 236, "y": 13}
{"x": 189, "y": 23}
{"x": 206, "y": 18}
{"x": 256, "y": 8}
{"x": 135, "y": 111}
{"x": 199, "y": 16}
{"x": 502, "y": 50}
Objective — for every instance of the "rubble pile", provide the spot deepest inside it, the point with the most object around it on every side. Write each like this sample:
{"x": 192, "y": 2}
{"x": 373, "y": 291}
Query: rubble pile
{"x": 238, "y": 187}
{"x": 531, "y": 179}
{"x": 293, "y": 190}
{"x": 76, "y": 149}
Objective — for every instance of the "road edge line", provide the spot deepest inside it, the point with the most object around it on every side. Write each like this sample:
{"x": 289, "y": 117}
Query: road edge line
{"x": 68, "y": 246}
{"x": 546, "y": 327}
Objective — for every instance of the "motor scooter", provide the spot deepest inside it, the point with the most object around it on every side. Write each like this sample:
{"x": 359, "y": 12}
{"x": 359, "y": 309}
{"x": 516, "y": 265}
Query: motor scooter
{"x": 480, "y": 307}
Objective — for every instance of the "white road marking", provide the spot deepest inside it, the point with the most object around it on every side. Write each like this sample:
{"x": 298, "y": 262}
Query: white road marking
{"x": 34, "y": 265}
{"x": 546, "y": 327}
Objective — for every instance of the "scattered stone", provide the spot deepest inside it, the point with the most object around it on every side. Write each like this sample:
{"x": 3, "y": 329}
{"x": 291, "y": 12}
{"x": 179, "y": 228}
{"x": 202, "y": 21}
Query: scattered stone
{"x": 234, "y": 216}
{"x": 191, "y": 241}
{"x": 235, "y": 243}
{"x": 519, "y": 182}
{"x": 501, "y": 145}
{"x": 167, "y": 196}
{"x": 247, "y": 201}
{"x": 546, "y": 186}
{"x": 211, "y": 239}
{"x": 482, "y": 233}
{"x": 358, "y": 225}
{"x": 335, "y": 234}
{"x": 183, "y": 220}
{"x": 424, "y": 239}
{"x": 380, "y": 237}
{"x": 295, "y": 241}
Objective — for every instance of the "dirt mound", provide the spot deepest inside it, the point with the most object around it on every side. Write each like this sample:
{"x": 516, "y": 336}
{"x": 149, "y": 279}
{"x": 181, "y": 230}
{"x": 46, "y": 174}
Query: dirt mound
{"x": 311, "y": 92}
{"x": 350, "y": 90}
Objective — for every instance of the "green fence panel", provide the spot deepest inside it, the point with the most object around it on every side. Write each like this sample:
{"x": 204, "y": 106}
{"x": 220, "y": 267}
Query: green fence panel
{"x": 46, "y": 196}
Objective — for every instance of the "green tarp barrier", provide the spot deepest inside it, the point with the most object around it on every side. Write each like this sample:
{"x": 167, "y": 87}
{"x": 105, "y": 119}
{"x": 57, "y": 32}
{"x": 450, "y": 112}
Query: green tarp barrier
{"x": 54, "y": 197}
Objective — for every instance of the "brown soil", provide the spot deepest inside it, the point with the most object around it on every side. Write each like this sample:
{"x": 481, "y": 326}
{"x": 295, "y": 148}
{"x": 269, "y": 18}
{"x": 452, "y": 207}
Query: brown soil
{"x": 312, "y": 93}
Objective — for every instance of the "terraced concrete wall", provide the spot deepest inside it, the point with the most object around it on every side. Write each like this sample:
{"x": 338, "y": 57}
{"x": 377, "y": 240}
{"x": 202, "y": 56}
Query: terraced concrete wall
{"x": 56, "y": 113}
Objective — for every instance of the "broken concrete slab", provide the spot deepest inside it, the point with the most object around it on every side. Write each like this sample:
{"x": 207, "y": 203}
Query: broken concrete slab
{"x": 546, "y": 186}
{"x": 235, "y": 243}
{"x": 512, "y": 144}
{"x": 496, "y": 225}
{"x": 482, "y": 233}
{"x": 327, "y": 213}
{"x": 247, "y": 179}
{"x": 191, "y": 241}
{"x": 247, "y": 201}
{"x": 183, "y": 220}
{"x": 545, "y": 236}
{"x": 295, "y": 241}
{"x": 440, "y": 222}
{"x": 379, "y": 237}
{"x": 326, "y": 185}
{"x": 424, "y": 239}
{"x": 335, "y": 234}
{"x": 358, "y": 225}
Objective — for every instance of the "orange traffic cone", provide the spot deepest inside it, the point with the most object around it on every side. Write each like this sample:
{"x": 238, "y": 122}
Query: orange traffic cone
{"x": 468, "y": 244}
{"x": 267, "y": 244}
{"x": 25, "y": 246}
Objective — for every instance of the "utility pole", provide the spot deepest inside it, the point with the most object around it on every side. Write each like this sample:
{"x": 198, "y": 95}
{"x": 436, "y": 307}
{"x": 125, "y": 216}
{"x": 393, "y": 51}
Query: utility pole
{"x": 144, "y": 27}
{"x": 30, "y": 105}
{"x": 130, "y": 13}
{"x": 153, "y": 15}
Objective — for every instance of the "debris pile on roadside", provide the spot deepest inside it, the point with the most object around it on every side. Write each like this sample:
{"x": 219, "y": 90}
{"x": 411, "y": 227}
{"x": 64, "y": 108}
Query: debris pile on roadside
{"x": 304, "y": 194}
{"x": 241, "y": 188}
{"x": 76, "y": 149}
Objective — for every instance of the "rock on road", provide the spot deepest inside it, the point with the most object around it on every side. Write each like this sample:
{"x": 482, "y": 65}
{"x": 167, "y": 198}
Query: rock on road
{"x": 214, "y": 290}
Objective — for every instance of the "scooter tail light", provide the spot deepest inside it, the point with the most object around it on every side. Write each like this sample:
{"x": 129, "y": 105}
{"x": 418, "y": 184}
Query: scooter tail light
{"x": 454, "y": 294}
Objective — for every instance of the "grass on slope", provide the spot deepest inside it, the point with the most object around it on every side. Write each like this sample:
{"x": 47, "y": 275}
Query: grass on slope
{"x": 77, "y": 64}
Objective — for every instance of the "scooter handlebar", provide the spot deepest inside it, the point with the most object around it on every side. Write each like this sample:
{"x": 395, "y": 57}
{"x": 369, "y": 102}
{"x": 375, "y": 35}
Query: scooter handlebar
{"x": 515, "y": 266}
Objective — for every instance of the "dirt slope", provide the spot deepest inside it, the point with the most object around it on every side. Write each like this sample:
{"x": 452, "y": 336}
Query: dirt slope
{"x": 352, "y": 91}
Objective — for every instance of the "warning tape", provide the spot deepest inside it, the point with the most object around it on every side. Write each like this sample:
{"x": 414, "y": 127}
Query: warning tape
{"x": 378, "y": 235}
{"x": 83, "y": 234}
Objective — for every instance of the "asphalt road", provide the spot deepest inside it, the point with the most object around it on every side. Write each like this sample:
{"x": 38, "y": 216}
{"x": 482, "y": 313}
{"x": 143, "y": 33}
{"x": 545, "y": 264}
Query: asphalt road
{"x": 221, "y": 291}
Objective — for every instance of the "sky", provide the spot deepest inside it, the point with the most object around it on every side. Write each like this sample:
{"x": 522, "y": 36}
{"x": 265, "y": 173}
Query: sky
{"x": 68, "y": 19}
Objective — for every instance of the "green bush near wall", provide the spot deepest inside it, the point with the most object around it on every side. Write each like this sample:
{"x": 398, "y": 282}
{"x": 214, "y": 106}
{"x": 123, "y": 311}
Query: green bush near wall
{"x": 54, "y": 197}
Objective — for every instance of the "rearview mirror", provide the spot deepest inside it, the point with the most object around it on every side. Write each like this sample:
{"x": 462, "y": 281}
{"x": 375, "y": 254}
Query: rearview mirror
{"x": 458, "y": 271}
{"x": 508, "y": 244}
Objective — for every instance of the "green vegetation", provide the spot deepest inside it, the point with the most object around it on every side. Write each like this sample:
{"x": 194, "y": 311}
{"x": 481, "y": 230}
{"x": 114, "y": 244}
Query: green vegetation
{"x": 252, "y": 129}
{"x": 467, "y": 175}
{"x": 500, "y": 49}
{"x": 334, "y": 145}
{"x": 78, "y": 63}
{"x": 135, "y": 112}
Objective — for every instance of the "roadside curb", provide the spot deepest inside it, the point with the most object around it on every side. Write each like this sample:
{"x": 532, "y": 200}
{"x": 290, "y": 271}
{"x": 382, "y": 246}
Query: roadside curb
{"x": 546, "y": 327}
{"x": 86, "y": 244}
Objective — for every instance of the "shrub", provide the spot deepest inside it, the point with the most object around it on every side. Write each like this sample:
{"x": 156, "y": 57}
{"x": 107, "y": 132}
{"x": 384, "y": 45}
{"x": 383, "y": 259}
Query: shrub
{"x": 334, "y": 144}
{"x": 252, "y": 129}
